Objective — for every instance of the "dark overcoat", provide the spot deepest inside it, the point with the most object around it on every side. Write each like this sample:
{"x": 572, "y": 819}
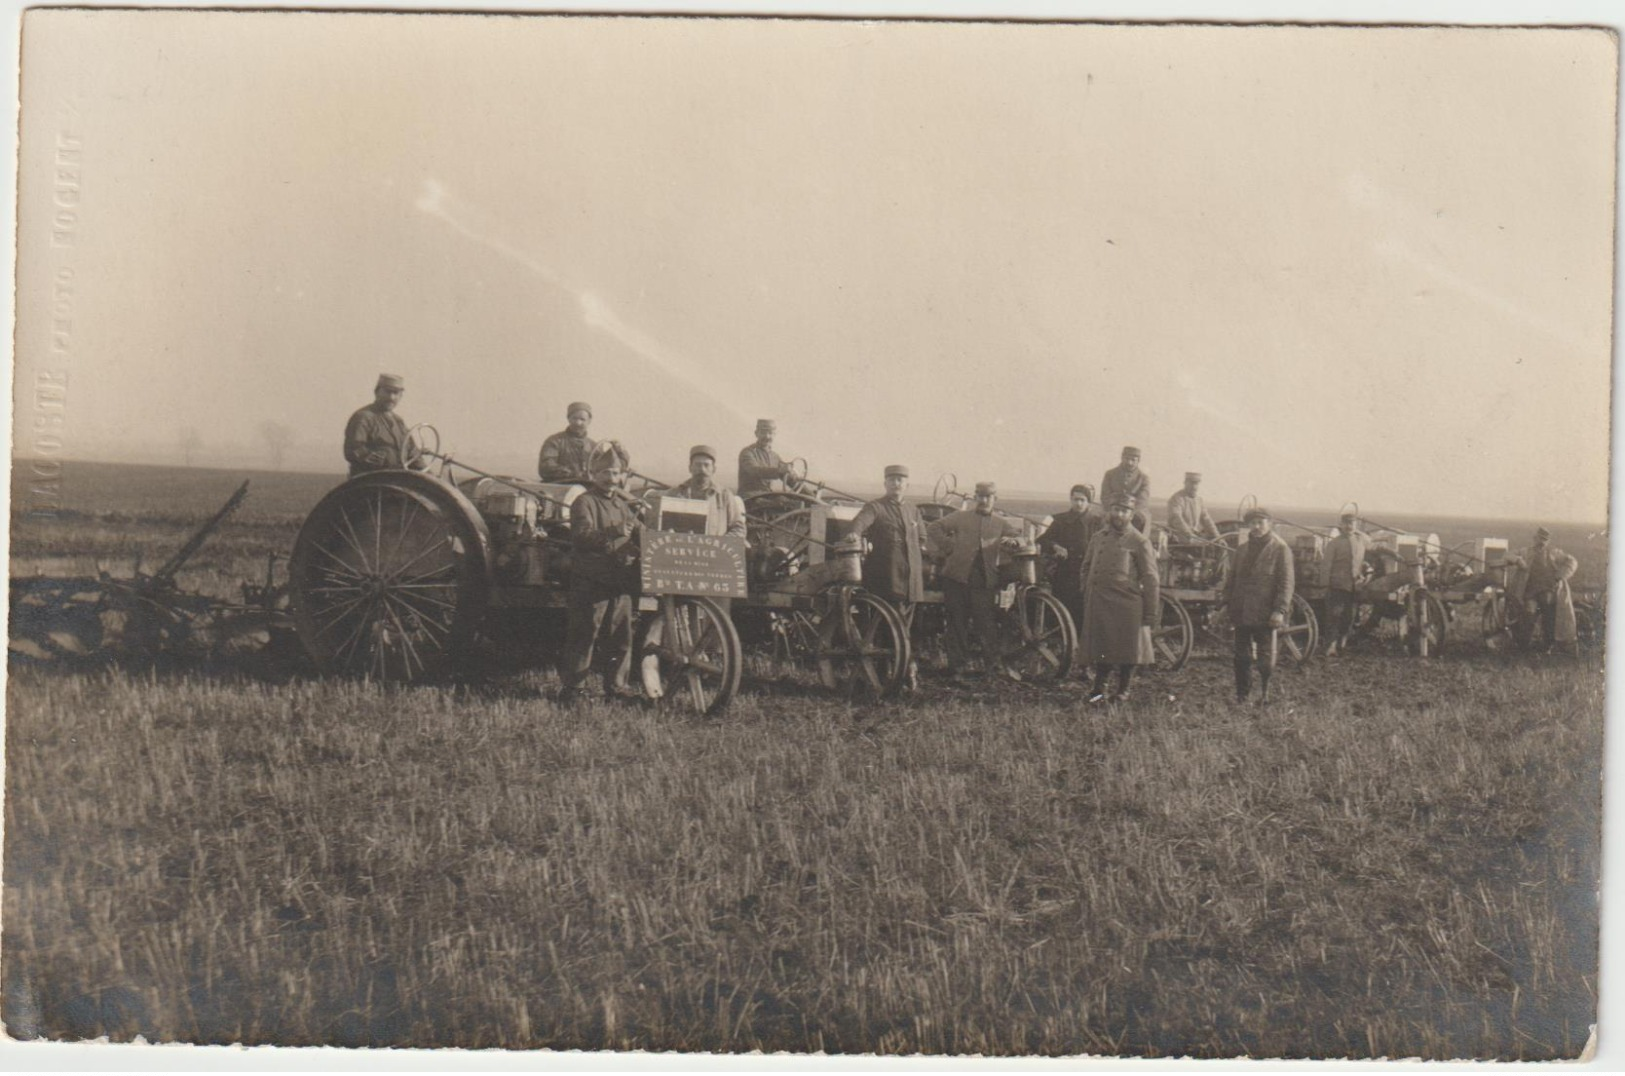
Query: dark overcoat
{"x": 1121, "y": 597}
{"x": 1259, "y": 583}
{"x": 894, "y": 567}
{"x": 1072, "y": 531}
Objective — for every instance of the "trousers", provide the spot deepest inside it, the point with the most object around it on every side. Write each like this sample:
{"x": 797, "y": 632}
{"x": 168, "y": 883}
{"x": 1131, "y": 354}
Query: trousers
{"x": 1247, "y": 637}
{"x": 970, "y": 607}
{"x": 598, "y": 612}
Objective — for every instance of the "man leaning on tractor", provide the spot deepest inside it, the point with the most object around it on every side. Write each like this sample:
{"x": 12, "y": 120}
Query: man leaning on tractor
{"x": 971, "y": 543}
{"x": 604, "y": 533}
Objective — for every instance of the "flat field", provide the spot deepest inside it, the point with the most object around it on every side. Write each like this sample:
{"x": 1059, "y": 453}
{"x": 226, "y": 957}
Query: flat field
{"x": 1397, "y": 858}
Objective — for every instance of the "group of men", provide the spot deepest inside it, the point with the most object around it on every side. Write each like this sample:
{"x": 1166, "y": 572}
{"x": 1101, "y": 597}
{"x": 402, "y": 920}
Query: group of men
{"x": 1099, "y": 559}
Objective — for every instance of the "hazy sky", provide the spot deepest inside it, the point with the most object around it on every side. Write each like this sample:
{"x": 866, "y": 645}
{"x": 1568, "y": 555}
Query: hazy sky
{"x": 1316, "y": 264}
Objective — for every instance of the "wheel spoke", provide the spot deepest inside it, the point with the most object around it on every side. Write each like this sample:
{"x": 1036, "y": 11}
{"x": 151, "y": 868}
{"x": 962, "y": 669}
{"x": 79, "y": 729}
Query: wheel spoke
{"x": 344, "y": 567}
{"x": 696, "y": 690}
{"x": 355, "y": 542}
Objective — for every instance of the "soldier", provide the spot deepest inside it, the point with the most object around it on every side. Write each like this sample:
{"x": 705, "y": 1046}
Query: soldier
{"x": 375, "y": 438}
{"x": 759, "y": 465}
{"x": 726, "y": 514}
{"x": 1127, "y": 478}
{"x": 1258, "y": 595}
{"x": 1122, "y": 595}
{"x": 1538, "y": 593}
{"x": 1065, "y": 546}
{"x": 970, "y": 543}
{"x": 604, "y": 534}
{"x": 565, "y": 455}
{"x": 1188, "y": 518}
{"x": 894, "y": 567}
{"x": 1340, "y": 574}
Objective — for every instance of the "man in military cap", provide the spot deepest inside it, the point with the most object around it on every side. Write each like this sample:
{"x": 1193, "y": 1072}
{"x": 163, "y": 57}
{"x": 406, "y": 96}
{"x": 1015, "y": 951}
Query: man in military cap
{"x": 1122, "y": 596}
{"x": 565, "y": 455}
{"x": 1340, "y": 576}
{"x": 604, "y": 536}
{"x": 894, "y": 567}
{"x": 1065, "y": 546}
{"x": 375, "y": 438}
{"x": 759, "y": 465}
{"x": 1127, "y": 478}
{"x": 971, "y": 544}
{"x": 1258, "y": 597}
{"x": 726, "y": 510}
{"x": 1188, "y": 519}
{"x": 1538, "y": 593}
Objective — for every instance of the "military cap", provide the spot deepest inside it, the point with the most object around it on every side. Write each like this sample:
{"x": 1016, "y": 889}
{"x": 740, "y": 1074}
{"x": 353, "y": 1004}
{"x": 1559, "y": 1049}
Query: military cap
{"x": 1084, "y": 488}
{"x": 703, "y": 450}
{"x": 390, "y": 381}
{"x": 1256, "y": 512}
{"x": 1122, "y": 500}
{"x": 1130, "y": 450}
{"x": 765, "y": 425}
{"x": 1349, "y": 517}
{"x": 1193, "y": 474}
{"x": 896, "y": 470}
{"x": 578, "y": 406}
{"x": 1542, "y": 534}
{"x": 987, "y": 489}
{"x": 606, "y": 451}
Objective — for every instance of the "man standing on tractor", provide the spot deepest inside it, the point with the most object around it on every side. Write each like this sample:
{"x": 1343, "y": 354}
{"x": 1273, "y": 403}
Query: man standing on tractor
{"x": 1340, "y": 575}
{"x": 566, "y": 454}
{"x": 1122, "y": 599}
{"x": 375, "y": 438}
{"x": 1127, "y": 478}
{"x": 1258, "y": 596}
{"x": 1538, "y": 593}
{"x": 1188, "y": 519}
{"x": 1065, "y": 547}
{"x": 604, "y": 537}
{"x": 759, "y": 465}
{"x": 894, "y": 567}
{"x": 971, "y": 543}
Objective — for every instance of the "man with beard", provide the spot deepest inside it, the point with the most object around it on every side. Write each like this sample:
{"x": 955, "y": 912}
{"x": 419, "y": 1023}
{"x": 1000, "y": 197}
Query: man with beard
{"x": 894, "y": 567}
{"x": 375, "y": 438}
{"x": 1127, "y": 479}
{"x": 726, "y": 512}
{"x": 1258, "y": 596}
{"x": 1065, "y": 546}
{"x": 565, "y": 455}
{"x": 604, "y": 535}
{"x": 1121, "y": 597}
{"x": 971, "y": 543}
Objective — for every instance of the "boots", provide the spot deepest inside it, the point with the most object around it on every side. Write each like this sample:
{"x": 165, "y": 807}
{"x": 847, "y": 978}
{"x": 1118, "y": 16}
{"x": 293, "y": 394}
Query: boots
{"x": 1244, "y": 680}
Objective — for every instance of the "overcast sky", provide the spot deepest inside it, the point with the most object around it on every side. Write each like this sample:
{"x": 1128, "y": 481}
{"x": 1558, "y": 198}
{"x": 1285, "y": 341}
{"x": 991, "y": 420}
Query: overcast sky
{"x": 1317, "y": 264}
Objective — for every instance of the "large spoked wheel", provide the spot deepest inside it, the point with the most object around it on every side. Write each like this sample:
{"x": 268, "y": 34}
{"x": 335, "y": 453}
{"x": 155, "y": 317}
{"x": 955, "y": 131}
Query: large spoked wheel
{"x": 388, "y": 577}
{"x": 1301, "y": 637}
{"x": 690, "y": 656}
{"x": 1492, "y": 622}
{"x": 863, "y": 647}
{"x": 1424, "y": 624}
{"x": 1174, "y": 637}
{"x": 1039, "y": 637}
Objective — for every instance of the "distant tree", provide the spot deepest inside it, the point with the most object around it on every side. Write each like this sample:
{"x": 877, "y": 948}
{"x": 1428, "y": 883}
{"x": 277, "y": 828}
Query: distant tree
{"x": 277, "y": 438}
{"x": 191, "y": 441}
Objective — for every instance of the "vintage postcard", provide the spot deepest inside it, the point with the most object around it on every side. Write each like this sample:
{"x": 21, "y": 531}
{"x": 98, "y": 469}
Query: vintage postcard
{"x": 832, "y": 536}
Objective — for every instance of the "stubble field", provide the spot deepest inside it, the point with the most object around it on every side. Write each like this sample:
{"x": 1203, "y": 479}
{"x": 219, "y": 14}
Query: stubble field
{"x": 1396, "y": 858}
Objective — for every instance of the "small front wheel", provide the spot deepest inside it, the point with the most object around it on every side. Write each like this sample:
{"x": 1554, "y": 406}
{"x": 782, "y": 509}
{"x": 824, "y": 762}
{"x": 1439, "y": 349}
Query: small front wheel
{"x": 690, "y": 656}
{"x": 1040, "y": 640}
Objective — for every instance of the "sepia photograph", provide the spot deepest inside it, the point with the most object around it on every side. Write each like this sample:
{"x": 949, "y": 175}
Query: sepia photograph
{"x": 814, "y": 532}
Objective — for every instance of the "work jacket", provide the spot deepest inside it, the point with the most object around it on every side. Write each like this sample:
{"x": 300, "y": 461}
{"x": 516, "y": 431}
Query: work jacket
{"x": 1259, "y": 581}
{"x": 759, "y": 468}
{"x": 1345, "y": 555}
{"x": 603, "y": 539}
{"x": 1188, "y": 518}
{"x": 564, "y": 457}
{"x": 1072, "y": 531}
{"x": 894, "y": 566}
{"x": 1117, "y": 480}
{"x": 1535, "y": 570}
{"x": 376, "y": 440}
{"x": 960, "y": 538}
{"x": 725, "y": 511}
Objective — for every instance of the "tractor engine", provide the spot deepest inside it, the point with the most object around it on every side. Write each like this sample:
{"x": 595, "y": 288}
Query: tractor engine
{"x": 518, "y": 543}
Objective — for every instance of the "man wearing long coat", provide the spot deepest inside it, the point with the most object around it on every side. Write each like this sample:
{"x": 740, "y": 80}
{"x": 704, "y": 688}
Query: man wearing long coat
{"x": 1538, "y": 590}
{"x": 1122, "y": 595}
{"x": 972, "y": 544}
{"x": 604, "y": 534}
{"x": 1340, "y": 575}
{"x": 1258, "y": 597}
{"x": 894, "y": 567}
{"x": 1065, "y": 548}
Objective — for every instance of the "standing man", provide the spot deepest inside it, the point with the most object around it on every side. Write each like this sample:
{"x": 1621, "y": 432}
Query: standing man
{"x": 1340, "y": 575}
{"x": 970, "y": 543}
{"x": 1065, "y": 546}
{"x": 894, "y": 567}
{"x": 1258, "y": 595}
{"x": 375, "y": 438}
{"x": 566, "y": 454}
{"x": 759, "y": 465}
{"x": 726, "y": 512}
{"x": 1188, "y": 518}
{"x": 1127, "y": 478}
{"x": 1538, "y": 591}
{"x": 604, "y": 574}
{"x": 1122, "y": 600}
